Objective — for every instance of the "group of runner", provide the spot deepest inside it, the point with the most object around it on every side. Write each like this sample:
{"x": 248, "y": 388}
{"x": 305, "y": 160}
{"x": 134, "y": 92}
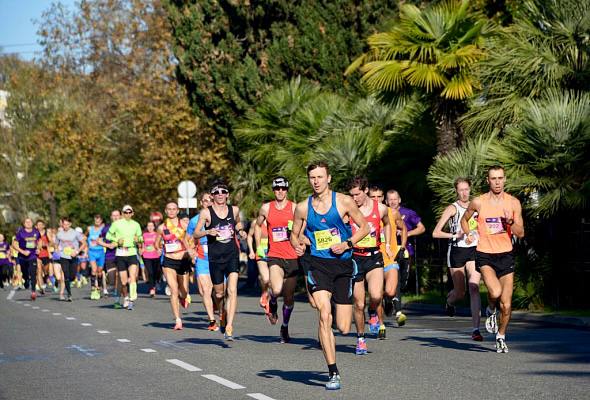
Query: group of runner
{"x": 352, "y": 250}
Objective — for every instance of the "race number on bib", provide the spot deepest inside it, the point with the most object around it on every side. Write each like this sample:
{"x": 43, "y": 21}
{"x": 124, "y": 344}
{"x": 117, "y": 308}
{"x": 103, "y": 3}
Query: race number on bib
{"x": 367, "y": 241}
{"x": 280, "y": 234}
{"x": 225, "y": 233}
{"x": 172, "y": 247}
{"x": 30, "y": 244}
{"x": 327, "y": 238}
{"x": 494, "y": 226}
{"x": 68, "y": 251}
{"x": 149, "y": 247}
{"x": 2, "y": 255}
{"x": 122, "y": 252}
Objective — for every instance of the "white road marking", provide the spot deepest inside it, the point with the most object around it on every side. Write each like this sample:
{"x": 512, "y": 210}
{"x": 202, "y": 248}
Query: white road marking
{"x": 184, "y": 365}
{"x": 103, "y": 332}
{"x": 148, "y": 350}
{"x": 123, "y": 340}
{"x": 10, "y": 295}
{"x": 35, "y": 307}
{"x": 56, "y": 313}
{"x": 27, "y": 305}
{"x": 223, "y": 381}
{"x": 86, "y": 324}
{"x": 70, "y": 318}
{"x": 45, "y": 310}
{"x": 259, "y": 396}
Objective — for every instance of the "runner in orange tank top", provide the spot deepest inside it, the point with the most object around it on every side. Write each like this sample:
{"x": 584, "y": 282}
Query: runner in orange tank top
{"x": 282, "y": 260}
{"x": 499, "y": 217}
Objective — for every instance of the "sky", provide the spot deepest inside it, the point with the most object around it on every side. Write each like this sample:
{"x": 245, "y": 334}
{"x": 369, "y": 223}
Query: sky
{"x": 18, "y": 33}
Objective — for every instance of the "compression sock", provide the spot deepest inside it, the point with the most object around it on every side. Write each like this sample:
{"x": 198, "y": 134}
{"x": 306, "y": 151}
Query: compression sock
{"x": 287, "y": 310}
{"x": 133, "y": 291}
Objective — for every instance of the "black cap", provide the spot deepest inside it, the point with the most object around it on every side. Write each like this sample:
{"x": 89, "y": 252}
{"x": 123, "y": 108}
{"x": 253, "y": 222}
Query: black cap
{"x": 280, "y": 182}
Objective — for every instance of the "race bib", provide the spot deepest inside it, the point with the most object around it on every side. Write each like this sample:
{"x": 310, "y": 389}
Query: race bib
{"x": 226, "y": 233}
{"x": 367, "y": 241}
{"x": 30, "y": 244}
{"x": 326, "y": 238}
{"x": 382, "y": 237}
{"x": 93, "y": 243}
{"x": 172, "y": 247}
{"x": 494, "y": 226}
{"x": 472, "y": 224}
{"x": 68, "y": 251}
{"x": 149, "y": 247}
{"x": 290, "y": 224}
{"x": 280, "y": 234}
{"x": 2, "y": 255}
{"x": 122, "y": 252}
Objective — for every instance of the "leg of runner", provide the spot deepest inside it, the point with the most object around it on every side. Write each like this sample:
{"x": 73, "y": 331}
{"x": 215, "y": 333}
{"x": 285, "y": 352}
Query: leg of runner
{"x": 374, "y": 280}
{"x": 359, "y": 296}
{"x": 171, "y": 278}
{"x": 206, "y": 287}
{"x": 404, "y": 271}
{"x": 94, "y": 291}
{"x": 232, "y": 303}
{"x": 277, "y": 276}
{"x": 288, "y": 304}
{"x": 494, "y": 292}
{"x": 507, "y": 283}
{"x": 474, "y": 278}
{"x": 264, "y": 276}
{"x": 123, "y": 280}
{"x": 150, "y": 265}
{"x": 69, "y": 272}
{"x": 390, "y": 274}
{"x": 458, "y": 291}
{"x": 219, "y": 293}
{"x": 132, "y": 279}
{"x": 60, "y": 281}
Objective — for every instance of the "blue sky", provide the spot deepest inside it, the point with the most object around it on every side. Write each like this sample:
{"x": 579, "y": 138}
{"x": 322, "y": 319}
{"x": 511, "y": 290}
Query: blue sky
{"x": 18, "y": 33}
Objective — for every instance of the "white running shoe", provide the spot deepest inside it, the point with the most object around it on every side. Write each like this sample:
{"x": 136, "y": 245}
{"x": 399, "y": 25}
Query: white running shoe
{"x": 501, "y": 345}
{"x": 491, "y": 321}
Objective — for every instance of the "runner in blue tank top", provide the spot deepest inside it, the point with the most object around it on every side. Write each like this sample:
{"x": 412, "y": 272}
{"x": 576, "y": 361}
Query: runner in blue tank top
{"x": 326, "y": 216}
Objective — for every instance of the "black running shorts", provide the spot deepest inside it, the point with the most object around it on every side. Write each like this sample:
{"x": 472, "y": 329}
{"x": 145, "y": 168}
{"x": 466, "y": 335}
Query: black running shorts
{"x": 124, "y": 262}
{"x": 220, "y": 271}
{"x": 459, "y": 256}
{"x": 365, "y": 264}
{"x": 502, "y": 263}
{"x": 333, "y": 275}
{"x": 290, "y": 267}
{"x": 180, "y": 266}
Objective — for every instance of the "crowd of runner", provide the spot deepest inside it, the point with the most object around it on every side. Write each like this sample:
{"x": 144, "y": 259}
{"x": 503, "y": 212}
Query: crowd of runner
{"x": 352, "y": 250}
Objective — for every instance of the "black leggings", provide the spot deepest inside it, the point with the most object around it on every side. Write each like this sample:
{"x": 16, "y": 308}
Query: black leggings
{"x": 4, "y": 274}
{"x": 154, "y": 269}
{"x": 68, "y": 267}
{"x": 29, "y": 270}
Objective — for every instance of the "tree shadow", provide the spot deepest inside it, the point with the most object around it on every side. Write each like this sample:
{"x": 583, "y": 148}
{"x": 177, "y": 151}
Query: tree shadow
{"x": 310, "y": 378}
{"x": 449, "y": 344}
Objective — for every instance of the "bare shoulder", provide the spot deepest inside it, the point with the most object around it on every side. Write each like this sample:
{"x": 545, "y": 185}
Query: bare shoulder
{"x": 301, "y": 208}
{"x": 236, "y": 211}
{"x": 344, "y": 199}
{"x": 383, "y": 209}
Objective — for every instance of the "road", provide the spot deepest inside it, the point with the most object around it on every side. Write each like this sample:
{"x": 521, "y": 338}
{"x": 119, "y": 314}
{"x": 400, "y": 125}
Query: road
{"x": 86, "y": 349}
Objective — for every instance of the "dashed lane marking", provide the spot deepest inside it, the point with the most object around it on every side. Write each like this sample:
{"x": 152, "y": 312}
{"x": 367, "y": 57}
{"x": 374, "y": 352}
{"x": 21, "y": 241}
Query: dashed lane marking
{"x": 259, "y": 396}
{"x": 86, "y": 324}
{"x": 123, "y": 340}
{"x": 70, "y": 318}
{"x": 148, "y": 350}
{"x": 56, "y": 313}
{"x": 223, "y": 381}
{"x": 10, "y": 295}
{"x": 183, "y": 365}
{"x": 103, "y": 332}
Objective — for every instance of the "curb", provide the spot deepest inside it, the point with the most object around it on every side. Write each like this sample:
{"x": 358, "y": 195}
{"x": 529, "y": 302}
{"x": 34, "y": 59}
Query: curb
{"x": 553, "y": 319}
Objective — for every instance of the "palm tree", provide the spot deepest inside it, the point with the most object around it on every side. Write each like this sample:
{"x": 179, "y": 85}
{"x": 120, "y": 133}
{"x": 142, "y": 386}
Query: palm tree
{"x": 432, "y": 52}
{"x": 547, "y": 47}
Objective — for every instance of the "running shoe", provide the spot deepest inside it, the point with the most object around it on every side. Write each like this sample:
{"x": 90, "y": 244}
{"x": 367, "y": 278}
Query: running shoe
{"x": 130, "y": 306}
{"x": 272, "y": 314}
{"x": 400, "y": 318}
{"x": 69, "y": 298}
{"x": 33, "y": 296}
{"x": 450, "y": 310}
{"x": 78, "y": 284}
{"x": 153, "y": 292}
{"x": 501, "y": 345}
{"x": 213, "y": 326}
{"x": 228, "y": 334}
{"x": 84, "y": 281}
{"x": 334, "y": 382}
{"x": 388, "y": 306}
{"x": 178, "y": 325}
{"x": 117, "y": 305}
{"x": 476, "y": 335}
{"x": 361, "y": 347}
{"x": 62, "y": 297}
{"x": 264, "y": 300}
{"x": 374, "y": 324}
{"x": 42, "y": 291}
{"x": 183, "y": 303}
{"x": 189, "y": 299}
{"x": 167, "y": 291}
{"x": 55, "y": 289}
{"x": 126, "y": 302}
{"x": 491, "y": 321}
{"x": 381, "y": 335}
{"x": 285, "y": 338}
{"x": 105, "y": 293}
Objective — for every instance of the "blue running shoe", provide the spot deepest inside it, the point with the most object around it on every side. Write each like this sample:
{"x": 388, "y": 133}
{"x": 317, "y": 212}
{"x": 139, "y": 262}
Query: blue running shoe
{"x": 374, "y": 324}
{"x": 333, "y": 383}
{"x": 361, "y": 347}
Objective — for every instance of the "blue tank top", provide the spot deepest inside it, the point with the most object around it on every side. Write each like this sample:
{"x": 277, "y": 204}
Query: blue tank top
{"x": 325, "y": 230}
{"x": 93, "y": 235}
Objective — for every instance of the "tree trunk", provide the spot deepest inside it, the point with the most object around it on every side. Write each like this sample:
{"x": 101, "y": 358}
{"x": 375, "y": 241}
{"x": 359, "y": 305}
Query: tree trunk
{"x": 447, "y": 133}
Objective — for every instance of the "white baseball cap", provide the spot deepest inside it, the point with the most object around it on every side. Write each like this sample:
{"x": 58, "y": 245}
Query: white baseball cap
{"x": 127, "y": 207}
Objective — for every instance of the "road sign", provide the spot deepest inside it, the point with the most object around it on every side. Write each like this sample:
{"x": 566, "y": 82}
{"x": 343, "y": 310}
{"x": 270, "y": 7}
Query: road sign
{"x": 187, "y": 203}
{"x": 187, "y": 189}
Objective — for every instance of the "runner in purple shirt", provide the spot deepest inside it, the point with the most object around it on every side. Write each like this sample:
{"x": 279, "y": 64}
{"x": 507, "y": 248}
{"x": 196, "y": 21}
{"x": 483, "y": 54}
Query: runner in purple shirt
{"x": 109, "y": 264}
{"x": 404, "y": 258}
{"x": 27, "y": 243}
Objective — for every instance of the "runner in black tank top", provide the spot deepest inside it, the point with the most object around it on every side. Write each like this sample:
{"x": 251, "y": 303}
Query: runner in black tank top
{"x": 223, "y": 247}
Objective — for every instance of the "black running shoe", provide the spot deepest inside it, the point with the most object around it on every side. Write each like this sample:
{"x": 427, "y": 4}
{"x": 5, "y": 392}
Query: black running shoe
{"x": 273, "y": 317}
{"x": 285, "y": 338}
{"x": 388, "y": 305}
{"x": 450, "y": 310}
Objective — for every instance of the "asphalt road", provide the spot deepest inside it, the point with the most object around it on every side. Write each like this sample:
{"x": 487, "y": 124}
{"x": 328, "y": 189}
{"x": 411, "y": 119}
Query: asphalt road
{"x": 88, "y": 350}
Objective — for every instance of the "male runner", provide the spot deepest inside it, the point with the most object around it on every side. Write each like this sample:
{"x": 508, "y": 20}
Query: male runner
{"x": 27, "y": 243}
{"x": 96, "y": 256}
{"x": 282, "y": 259}
{"x": 126, "y": 233}
{"x": 461, "y": 254}
{"x": 69, "y": 243}
{"x": 368, "y": 259}
{"x": 499, "y": 216}
{"x": 221, "y": 223}
{"x": 327, "y": 215}
{"x": 415, "y": 227}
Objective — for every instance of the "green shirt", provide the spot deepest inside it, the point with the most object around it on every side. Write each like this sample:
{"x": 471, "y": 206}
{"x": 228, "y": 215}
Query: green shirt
{"x": 129, "y": 232}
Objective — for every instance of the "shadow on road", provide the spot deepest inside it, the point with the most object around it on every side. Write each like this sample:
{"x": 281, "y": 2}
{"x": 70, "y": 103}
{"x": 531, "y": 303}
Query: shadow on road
{"x": 207, "y": 342}
{"x": 310, "y": 378}
{"x": 448, "y": 344}
{"x": 306, "y": 343}
{"x": 169, "y": 325}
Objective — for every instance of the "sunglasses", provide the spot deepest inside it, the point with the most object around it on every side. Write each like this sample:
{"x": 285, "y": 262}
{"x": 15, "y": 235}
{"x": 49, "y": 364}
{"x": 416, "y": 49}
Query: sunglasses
{"x": 220, "y": 191}
{"x": 127, "y": 212}
{"x": 278, "y": 189}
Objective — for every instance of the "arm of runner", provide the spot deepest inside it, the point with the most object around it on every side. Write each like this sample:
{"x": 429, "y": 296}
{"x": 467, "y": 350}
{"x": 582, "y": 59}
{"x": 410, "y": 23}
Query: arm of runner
{"x": 438, "y": 233}
{"x": 418, "y": 230}
{"x": 239, "y": 226}
{"x": 401, "y": 226}
{"x": 353, "y": 212}
{"x": 83, "y": 244}
{"x": 298, "y": 223}
{"x": 250, "y": 239}
{"x": 203, "y": 220}
{"x": 17, "y": 248}
{"x": 158, "y": 242}
{"x": 383, "y": 210}
{"x": 473, "y": 208}
{"x": 517, "y": 226}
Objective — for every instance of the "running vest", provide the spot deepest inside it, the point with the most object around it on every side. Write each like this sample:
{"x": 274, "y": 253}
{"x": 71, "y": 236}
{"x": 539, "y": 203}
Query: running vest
{"x": 149, "y": 245}
{"x": 279, "y": 225}
{"x": 44, "y": 252}
{"x": 224, "y": 246}
{"x": 372, "y": 241}
{"x": 326, "y": 230}
{"x": 494, "y": 236}
{"x": 172, "y": 237}
{"x": 393, "y": 246}
{"x": 455, "y": 226}
{"x": 93, "y": 235}
{"x": 4, "y": 248}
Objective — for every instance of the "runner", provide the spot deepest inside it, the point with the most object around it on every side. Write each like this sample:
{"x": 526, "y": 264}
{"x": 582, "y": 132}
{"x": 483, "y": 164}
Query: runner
{"x": 27, "y": 243}
{"x": 202, "y": 265}
{"x": 126, "y": 233}
{"x": 110, "y": 266}
{"x": 5, "y": 262}
{"x": 499, "y": 217}
{"x": 17, "y": 276}
{"x": 414, "y": 227}
{"x": 368, "y": 259}
{"x": 173, "y": 236}
{"x": 221, "y": 223}
{"x": 151, "y": 257}
{"x": 69, "y": 243}
{"x": 461, "y": 254}
{"x": 96, "y": 256}
{"x": 327, "y": 215}
{"x": 282, "y": 259}
{"x": 258, "y": 248}
{"x": 55, "y": 258}
{"x": 43, "y": 264}
{"x": 81, "y": 263}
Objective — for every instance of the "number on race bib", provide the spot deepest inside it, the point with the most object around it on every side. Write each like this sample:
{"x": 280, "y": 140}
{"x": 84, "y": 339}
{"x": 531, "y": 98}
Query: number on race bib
{"x": 280, "y": 234}
{"x": 326, "y": 238}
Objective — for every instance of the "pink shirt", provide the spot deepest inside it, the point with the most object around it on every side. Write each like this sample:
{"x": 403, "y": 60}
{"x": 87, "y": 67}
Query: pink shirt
{"x": 149, "y": 245}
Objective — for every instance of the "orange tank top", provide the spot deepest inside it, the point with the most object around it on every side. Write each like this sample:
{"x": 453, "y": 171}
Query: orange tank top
{"x": 494, "y": 236}
{"x": 392, "y": 242}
